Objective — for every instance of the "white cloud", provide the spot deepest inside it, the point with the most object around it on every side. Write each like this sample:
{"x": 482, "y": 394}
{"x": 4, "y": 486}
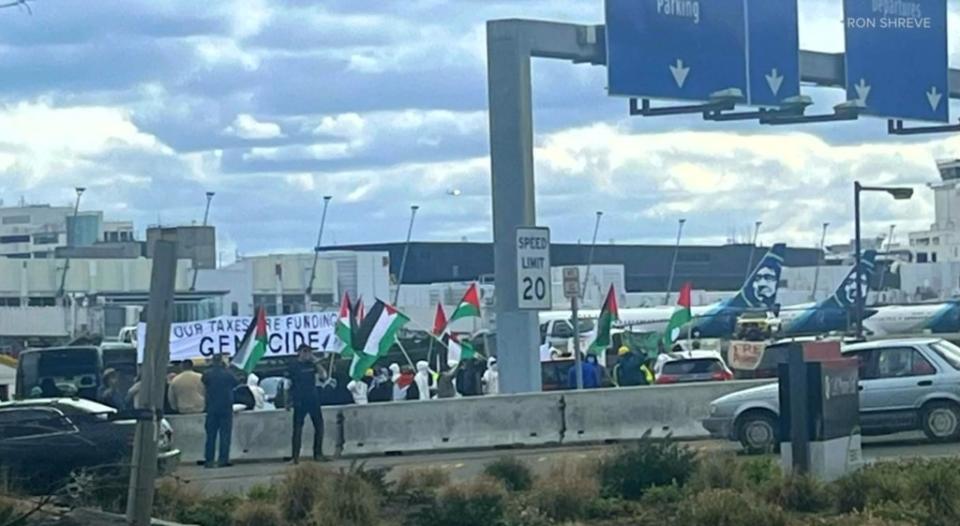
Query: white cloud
{"x": 247, "y": 127}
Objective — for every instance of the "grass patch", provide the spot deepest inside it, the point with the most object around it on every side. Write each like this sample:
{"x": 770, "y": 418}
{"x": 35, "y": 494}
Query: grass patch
{"x": 632, "y": 470}
{"x": 512, "y": 472}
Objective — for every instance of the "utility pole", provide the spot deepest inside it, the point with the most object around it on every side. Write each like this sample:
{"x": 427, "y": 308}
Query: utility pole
{"x": 308, "y": 291}
{"x": 406, "y": 251}
{"x": 149, "y": 402}
{"x": 593, "y": 246}
{"x": 206, "y": 215}
{"x": 673, "y": 266}
{"x": 816, "y": 274}
{"x": 66, "y": 262}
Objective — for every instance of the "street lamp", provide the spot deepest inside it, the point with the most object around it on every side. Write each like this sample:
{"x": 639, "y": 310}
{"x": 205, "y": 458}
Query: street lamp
{"x": 898, "y": 193}
{"x": 308, "y": 290}
{"x": 816, "y": 275}
{"x": 66, "y": 264}
{"x": 673, "y": 266}
{"x": 206, "y": 215}
{"x": 593, "y": 245}
{"x": 406, "y": 250}
{"x": 756, "y": 234}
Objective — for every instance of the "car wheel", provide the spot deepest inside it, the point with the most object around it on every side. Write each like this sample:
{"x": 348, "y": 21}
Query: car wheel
{"x": 941, "y": 421}
{"x": 757, "y": 432}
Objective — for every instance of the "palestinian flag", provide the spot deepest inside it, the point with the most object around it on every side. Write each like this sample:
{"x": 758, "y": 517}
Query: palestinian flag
{"x": 608, "y": 314}
{"x": 254, "y": 343}
{"x": 458, "y": 350}
{"x": 680, "y": 317}
{"x": 469, "y": 306}
{"x": 344, "y": 327}
{"x": 375, "y": 336}
{"x": 439, "y": 321}
{"x": 358, "y": 309}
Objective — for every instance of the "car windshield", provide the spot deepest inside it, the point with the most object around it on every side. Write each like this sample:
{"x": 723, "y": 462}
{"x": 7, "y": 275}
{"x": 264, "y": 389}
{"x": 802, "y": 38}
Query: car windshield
{"x": 700, "y": 366}
{"x": 949, "y": 352}
{"x": 59, "y": 372}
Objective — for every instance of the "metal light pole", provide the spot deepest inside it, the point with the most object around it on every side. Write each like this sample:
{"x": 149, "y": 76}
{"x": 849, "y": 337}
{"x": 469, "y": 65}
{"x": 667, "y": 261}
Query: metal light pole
{"x": 206, "y": 215}
{"x": 673, "y": 266}
{"x": 898, "y": 193}
{"x": 593, "y": 245}
{"x": 308, "y": 291}
{"x": 816, "y": 274}
{"x": 889, "y": 245}
{"x": 66, "y": 262}
{"x": 406, "y": 251}
{"x": 756, "y": 233}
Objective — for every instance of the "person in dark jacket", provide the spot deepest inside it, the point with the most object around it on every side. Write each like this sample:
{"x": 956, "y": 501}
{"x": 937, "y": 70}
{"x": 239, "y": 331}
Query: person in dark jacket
{"x": 381, "y": 388}
{"x": 218, "y": 386}
{"x": 469, "y": 378}
{"x": 305, "y": 400}
{"x": 629, "y": 370}
{"x": 110, "y": 393}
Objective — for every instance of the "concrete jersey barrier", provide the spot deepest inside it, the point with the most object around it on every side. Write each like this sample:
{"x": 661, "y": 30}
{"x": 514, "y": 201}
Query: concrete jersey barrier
{"x": 562, "y": 417}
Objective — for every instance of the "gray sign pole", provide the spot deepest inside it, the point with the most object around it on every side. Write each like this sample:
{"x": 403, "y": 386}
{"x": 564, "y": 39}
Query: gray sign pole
{"x": 149, "y": 402}
{"x": 577, "y": 359}
{"x": 510, "y": 45}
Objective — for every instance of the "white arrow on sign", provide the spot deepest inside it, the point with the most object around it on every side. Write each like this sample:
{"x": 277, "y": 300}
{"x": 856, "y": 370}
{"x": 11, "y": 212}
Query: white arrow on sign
{"x": 863, "y": 91}
{"x": 679, "y": 73}
{"x": 933, "y": 96}
{"x": 774, "y": 80}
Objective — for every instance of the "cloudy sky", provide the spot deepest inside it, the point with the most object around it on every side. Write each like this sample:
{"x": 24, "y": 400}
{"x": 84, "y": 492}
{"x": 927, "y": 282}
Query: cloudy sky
{"x": 382, "y": 104}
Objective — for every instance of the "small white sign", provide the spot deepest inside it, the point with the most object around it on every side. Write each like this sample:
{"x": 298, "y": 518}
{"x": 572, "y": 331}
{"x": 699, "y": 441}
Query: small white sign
{"x": 571, "y": 282}
{"x": 533, "y": 268}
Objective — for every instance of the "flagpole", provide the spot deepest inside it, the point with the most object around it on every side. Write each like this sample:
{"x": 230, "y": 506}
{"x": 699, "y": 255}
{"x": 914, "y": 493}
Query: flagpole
{"x": 405, "y": 355}
{"x": 308, "y": 291}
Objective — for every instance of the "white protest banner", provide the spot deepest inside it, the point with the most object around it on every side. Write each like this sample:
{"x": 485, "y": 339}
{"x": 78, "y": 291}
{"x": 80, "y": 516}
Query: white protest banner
{"x": 205, "y": 338}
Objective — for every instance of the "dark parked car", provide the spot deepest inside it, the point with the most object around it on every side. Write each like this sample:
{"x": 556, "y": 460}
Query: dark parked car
{"x": 44, "y": 440}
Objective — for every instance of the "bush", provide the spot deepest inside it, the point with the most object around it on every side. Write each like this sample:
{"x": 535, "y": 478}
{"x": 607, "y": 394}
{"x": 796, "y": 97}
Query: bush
{"x": 256, "y": 513}
{"x": 170, "y": 498}
{"x": 212, "y": 511}
{"x": 801, "y": 493}
{"x": 512, "y": 472}
{"x": 566, "y": 492}
{"x": 650, "y": 463}
{"x": 661, "y": 496}
{"x": 856, "y": 519}
{"x": 922, "y": 491}
{"x": 421, "y": 485}
{"x": 346, "y": 499}
{"x": 299, "y": 490}
{"x": 376, "y": 477}
{"x": 725, "y": 507}
{"x": 727, "y": 471}
{"x": 263, "y": 493}
{"x": 482, "y": 502}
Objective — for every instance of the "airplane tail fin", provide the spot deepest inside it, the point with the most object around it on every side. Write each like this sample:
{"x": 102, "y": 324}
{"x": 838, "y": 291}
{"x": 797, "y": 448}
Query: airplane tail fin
{"x": 846, "y": 294}
{"x": 760, "y": 289}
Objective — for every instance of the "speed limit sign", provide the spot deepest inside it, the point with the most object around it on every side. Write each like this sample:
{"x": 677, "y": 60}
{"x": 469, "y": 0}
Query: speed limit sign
{"x": 533, "y": 268}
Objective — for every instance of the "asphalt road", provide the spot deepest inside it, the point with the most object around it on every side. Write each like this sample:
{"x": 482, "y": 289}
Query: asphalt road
{"x": 469, "y": 464}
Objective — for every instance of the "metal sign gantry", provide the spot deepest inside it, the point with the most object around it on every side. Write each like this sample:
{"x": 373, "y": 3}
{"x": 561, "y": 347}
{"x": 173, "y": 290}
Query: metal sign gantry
{"x": 510, "y": 46}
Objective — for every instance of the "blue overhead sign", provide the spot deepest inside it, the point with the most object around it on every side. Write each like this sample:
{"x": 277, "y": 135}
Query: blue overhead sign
{"x": 690, "y": 49}
{"x": 896, "y": 57}
{"x": 675, "y": 49}
{"x": 774, "y": 51}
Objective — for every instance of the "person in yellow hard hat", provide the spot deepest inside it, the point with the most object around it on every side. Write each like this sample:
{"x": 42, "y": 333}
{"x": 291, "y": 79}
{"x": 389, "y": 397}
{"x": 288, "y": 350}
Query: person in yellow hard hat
{"x": 630, "y": 369}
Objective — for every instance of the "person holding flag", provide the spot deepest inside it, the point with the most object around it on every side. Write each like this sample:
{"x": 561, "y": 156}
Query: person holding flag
{"x": 469, "y": 307}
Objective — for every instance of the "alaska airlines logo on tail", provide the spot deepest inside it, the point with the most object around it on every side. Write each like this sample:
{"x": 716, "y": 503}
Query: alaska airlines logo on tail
{"x": 847, "y": 293}
{"x": 761, "y": 289}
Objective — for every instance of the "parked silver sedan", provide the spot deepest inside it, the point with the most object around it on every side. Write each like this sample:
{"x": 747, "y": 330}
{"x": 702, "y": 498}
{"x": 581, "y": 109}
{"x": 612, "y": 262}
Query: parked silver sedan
{"x": 905, "y": 385}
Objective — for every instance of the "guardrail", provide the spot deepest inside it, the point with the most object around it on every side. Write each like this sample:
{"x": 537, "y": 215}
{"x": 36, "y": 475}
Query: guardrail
{"x": 564, "y": 417}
